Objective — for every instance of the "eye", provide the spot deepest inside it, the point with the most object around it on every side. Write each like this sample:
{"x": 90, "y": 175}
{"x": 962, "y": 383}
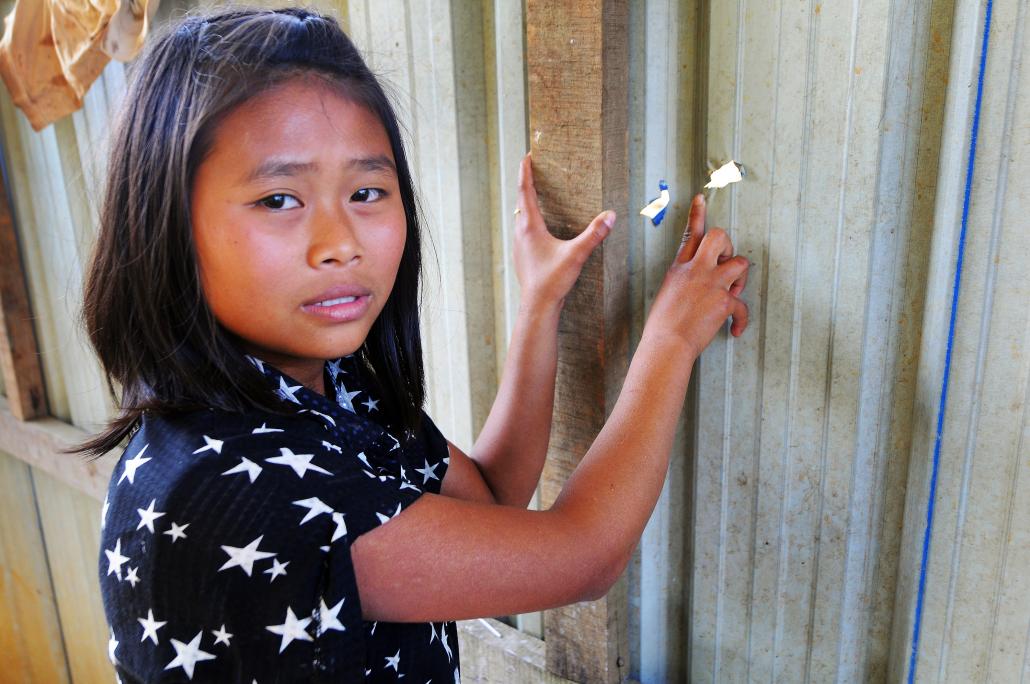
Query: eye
{"x": 278, "y": 201}
{"x": 368, "y": 195}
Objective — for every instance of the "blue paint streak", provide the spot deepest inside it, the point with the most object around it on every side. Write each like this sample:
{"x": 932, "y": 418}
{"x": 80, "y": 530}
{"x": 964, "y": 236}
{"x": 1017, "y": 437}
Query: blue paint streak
{"x": 947, "y": 355}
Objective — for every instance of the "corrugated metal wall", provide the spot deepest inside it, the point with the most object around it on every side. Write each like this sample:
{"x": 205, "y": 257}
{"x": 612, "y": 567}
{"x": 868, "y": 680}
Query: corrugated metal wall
{"x": 801, "y": 461}
{"x": 976, "y": 575}
{"x": 788, "y": 543}
{"x": 801, "y": 512}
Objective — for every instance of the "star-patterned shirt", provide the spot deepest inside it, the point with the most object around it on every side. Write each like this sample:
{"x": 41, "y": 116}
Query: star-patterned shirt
{"x": 225, "y": 542}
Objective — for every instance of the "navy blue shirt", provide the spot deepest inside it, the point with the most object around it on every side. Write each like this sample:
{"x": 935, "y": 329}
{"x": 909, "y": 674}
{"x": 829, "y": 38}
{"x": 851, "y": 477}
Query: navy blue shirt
{"x": 225, "y": 542}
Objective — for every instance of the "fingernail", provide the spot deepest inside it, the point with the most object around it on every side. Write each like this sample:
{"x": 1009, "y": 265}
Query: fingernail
{"x": 699, "y": 199}
{"x": 608, "y": 218}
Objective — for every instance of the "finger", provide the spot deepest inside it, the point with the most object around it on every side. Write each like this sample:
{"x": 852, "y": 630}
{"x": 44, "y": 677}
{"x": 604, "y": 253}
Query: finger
{"x": 738, "y": 285}
{"x": 740, "y": 318}
{"x": 715, "y": 247}
{"x": 526, "y": 201}
{"x": 732, "y": 273}
{"x": 595, "y": 233}
{"x": 695, "y": 229}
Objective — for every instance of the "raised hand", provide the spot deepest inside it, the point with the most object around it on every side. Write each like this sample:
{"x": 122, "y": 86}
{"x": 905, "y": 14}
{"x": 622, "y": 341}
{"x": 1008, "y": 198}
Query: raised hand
{"x": 702, "y": 286}
{"x": 547, "y": 267}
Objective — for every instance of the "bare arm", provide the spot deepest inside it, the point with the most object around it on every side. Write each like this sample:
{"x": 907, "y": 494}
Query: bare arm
{"x": 444, "y": 558}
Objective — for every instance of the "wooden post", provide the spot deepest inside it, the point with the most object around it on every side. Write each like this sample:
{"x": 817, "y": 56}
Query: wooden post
{"x": 577, "y": 61}
{"x": 19, "y": 355}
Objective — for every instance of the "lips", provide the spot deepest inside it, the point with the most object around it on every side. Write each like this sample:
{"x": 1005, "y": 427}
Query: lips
{"x": 340, "y": 304}
{"x": 340, "y": 294}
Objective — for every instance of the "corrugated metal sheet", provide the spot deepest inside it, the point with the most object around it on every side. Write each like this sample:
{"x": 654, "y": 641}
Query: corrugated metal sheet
{"x": 800, "y": 433}
{"x": 799, "y": 468}
{"x": 975, "y": 622}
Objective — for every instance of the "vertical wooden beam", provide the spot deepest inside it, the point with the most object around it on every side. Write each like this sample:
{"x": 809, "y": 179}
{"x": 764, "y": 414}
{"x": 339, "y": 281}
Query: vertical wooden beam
{"x": 19, "y": 355}
{"x": 577, "y": 61}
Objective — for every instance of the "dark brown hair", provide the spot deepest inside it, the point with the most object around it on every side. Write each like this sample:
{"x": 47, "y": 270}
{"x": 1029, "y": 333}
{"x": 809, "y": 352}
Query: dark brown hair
{"x": 144, "y": 309}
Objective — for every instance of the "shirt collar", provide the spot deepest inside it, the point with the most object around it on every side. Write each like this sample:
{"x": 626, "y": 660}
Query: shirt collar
{"x": 345, "y": 378}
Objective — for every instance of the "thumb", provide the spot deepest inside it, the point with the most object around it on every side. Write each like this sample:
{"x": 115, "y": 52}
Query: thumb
{"x": 597, "y": 231}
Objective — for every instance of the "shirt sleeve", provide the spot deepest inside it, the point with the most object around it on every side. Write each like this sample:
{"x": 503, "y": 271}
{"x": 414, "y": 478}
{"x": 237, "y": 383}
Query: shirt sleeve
{"x": 242, "y": 562}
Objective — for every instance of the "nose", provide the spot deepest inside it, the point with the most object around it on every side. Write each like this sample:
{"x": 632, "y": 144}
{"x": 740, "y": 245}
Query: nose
{"x": 333, "y": 238}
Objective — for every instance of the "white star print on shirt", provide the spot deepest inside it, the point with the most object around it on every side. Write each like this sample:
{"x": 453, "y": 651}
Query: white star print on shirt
{"x": 334, "y": 369}
{"x": 364, "y": 459}
{"x": 150, "y": 626}
{"x": 405, "y": 484}
{"x": 429, "y": 472}
{"x": 103, "y": 512}
{"x": 383, "y": 518}
{"x": 372, "y": 404}
{"x": 148, "y": 516}
{"x": 188, "y": 655}
{"x": 264, "y": 429}
{"x": 244, "y": 556}
{"x": 345, "y": 398}
{"x": 291, "y": 629}
{"x": 329, "y": 618}
{"x": 393, "y": 661}
{"x": 177, "y": 532}
{"x": 116, "y": 559}
{"x": 131, "y": 577}
{"x": 446, "y": 646}
{"x": 301, "y": 463}
{"x": 276, "y": 569}
{"x": 326, "y": 418}
{"x": 210, "y": 444}
{"x": 221, "y": 636}
{"x": 341, "y": 527}
{"x": 112, "y": 644}
{"x": 132, "y": 464}
{"x": 287, "y": 392}
{"x": 245, "y": 466}
{"x": 315, "y": 507}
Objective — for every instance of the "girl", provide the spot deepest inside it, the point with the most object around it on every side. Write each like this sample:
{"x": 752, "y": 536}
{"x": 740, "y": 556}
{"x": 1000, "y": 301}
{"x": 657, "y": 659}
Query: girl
{"x": 284, "y": 509}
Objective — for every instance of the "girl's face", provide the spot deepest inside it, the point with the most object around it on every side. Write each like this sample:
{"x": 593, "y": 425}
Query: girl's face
{"x": 298, "y": 225}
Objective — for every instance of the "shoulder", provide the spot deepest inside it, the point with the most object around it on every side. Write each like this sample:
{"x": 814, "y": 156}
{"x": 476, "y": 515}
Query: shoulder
{"x": 284, "y": 470}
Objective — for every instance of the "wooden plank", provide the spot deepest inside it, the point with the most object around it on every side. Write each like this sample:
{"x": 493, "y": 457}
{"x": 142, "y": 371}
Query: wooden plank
{"x": 19, "y": 355}
{"x": 40, "y": 443}
{"x": 577, "y": 61}
{"x": 70, "y": 521}
{"x": 514, "y": 656}
{"x": 30, "y": 631}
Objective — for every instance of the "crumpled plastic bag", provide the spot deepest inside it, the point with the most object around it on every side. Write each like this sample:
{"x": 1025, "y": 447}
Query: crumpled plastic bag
{"x": 53, "y": 50}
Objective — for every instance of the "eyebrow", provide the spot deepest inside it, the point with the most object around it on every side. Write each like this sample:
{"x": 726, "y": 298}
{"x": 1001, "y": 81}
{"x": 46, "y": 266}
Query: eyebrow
{"x": 276, "y": 168}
